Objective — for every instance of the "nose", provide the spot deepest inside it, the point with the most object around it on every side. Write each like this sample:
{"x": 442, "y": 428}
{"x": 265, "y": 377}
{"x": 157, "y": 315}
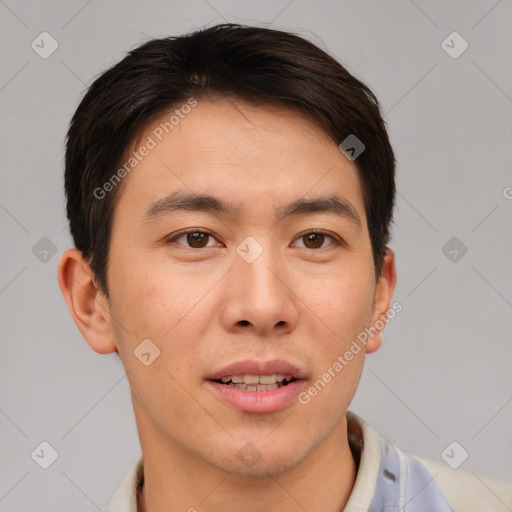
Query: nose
{"x": 259, "y": 296}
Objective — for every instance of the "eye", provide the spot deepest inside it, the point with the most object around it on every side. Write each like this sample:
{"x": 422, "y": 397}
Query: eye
{"x": 315, "y": 239}
{"x": 195, "y": 238}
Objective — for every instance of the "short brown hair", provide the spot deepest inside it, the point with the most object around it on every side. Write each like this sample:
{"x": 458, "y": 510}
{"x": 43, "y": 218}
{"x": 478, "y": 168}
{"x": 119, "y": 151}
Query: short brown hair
{"x": 251, "y": 63}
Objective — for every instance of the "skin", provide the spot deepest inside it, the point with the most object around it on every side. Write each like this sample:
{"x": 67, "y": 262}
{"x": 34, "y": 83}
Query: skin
{"x": 301, "y": 301}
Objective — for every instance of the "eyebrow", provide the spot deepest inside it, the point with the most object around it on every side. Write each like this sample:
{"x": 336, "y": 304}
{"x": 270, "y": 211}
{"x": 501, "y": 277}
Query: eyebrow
{"x": 186, "y": 201}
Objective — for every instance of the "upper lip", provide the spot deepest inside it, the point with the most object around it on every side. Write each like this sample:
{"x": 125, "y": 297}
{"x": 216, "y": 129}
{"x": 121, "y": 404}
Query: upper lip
{"x": 252, "y": 367}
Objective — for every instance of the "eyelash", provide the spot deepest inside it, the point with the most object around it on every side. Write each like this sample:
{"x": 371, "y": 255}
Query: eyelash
{"x": 315, "y": 231}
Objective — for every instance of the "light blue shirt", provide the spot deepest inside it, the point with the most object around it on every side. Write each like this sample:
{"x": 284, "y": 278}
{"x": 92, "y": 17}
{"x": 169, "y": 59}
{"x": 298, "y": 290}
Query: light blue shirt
{"x": 387, "y": 480}
{"x": 404, "y": 484}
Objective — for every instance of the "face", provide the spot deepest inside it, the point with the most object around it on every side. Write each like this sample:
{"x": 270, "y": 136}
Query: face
{"x": 250, "y": 282}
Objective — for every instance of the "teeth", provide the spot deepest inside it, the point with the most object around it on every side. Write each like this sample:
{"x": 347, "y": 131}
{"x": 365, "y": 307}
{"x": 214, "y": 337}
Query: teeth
{"x": 258, "y": 387}
{"x": 251, "y": 379}
{"x": 270, "y": 387}
{"x": 256, "y": 380}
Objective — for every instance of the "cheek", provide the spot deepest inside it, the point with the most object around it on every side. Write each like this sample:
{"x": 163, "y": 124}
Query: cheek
{"x": 149, "y": 296}
{"x": 347, "y": 306}
{"x": 151, "y": 305}
{"x": 344, "y": 303}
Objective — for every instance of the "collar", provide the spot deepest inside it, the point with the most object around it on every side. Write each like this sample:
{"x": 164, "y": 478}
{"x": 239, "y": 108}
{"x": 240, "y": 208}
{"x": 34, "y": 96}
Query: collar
{"x": 385, "y": 477}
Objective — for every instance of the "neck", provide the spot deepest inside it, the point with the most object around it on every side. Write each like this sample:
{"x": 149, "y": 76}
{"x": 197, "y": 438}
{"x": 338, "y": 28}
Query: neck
{"x": 176, "y": 480}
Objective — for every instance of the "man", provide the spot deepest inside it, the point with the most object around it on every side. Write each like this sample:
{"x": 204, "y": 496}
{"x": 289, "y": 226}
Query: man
{"x": 230, "y": 194}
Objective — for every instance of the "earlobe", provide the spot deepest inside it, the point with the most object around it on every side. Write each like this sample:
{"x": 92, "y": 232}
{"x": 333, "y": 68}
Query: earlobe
{"x": 383, "y": 297}
{"x": 88, "y": 306}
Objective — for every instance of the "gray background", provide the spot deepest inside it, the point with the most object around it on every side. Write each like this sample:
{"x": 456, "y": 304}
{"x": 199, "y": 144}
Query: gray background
{"x": 443, "y": 373}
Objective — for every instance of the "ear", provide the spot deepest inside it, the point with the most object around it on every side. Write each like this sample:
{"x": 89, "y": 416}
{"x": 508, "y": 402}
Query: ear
{"x": 383, "y": 295}
{"x": 88, "y": 305}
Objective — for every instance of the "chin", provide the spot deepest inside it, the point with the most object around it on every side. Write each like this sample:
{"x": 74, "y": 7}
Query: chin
{"x": 249, "y": 461}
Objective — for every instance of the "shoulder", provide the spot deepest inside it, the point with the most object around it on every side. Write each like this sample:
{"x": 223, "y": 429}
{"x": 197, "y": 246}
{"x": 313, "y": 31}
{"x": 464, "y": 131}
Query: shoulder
{"x": 467, "y": 491}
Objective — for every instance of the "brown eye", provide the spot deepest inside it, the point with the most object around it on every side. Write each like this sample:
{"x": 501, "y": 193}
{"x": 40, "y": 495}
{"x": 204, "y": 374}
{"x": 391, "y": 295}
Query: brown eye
{"x": 192, "y": 239}
{"x": 197, "y": 239}
{"x": 313, "y": 240}
{"x": 318, "y": 239}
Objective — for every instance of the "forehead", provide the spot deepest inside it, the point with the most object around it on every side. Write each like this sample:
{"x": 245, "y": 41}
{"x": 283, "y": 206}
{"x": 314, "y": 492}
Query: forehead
{"x": 247, "y": 154}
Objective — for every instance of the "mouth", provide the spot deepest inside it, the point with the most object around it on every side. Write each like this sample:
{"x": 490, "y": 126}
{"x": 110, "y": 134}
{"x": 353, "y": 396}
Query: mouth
{"x": 256, "y": 382}
{"x": 258, "y": 386}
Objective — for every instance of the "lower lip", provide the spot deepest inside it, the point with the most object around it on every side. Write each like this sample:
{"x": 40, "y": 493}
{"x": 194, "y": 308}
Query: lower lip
{"x": 258, "y": 401}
